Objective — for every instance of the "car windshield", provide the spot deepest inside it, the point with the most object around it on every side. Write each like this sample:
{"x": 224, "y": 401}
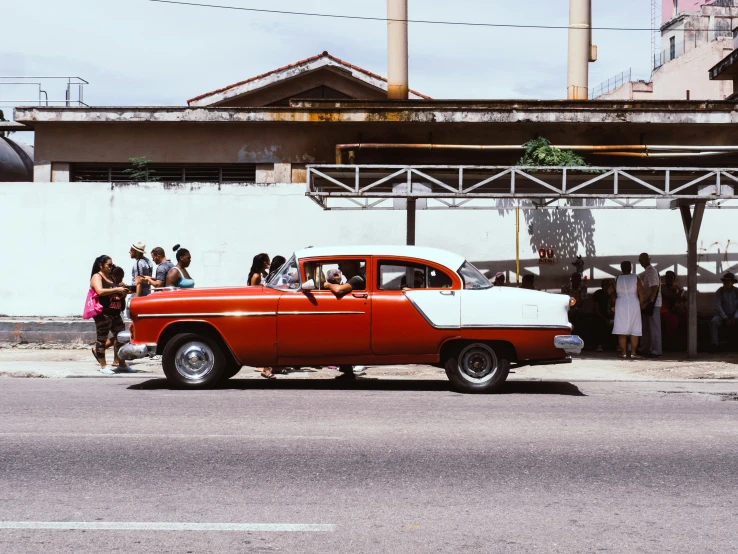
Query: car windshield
{"x": 287, "y": 277}
{"x": 472, "y": 277}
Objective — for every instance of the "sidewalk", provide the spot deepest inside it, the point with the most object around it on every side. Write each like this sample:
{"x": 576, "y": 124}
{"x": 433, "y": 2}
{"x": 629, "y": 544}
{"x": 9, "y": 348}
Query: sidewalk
{"x": 48, "y": 362}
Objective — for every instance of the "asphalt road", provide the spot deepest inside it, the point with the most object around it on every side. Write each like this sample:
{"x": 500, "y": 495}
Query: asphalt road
{"x": 127, "y": 465}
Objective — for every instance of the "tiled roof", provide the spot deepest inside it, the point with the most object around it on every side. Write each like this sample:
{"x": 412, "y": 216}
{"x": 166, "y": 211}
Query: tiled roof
{"x": 301, "y": 62}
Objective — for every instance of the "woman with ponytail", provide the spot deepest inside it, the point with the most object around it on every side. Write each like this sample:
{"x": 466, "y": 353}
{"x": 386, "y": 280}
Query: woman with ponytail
{"x": 111, "y": 297}
{"x": 178, "y": 276}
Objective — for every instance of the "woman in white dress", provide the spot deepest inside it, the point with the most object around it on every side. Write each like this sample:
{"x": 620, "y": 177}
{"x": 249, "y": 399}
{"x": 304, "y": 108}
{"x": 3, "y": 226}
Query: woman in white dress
{"x": 628, "y": 306}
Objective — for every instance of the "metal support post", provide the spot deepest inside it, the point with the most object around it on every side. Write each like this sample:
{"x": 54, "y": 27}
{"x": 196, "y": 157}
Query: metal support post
{"x": 411, "y": 221}
{"x": 692, "y": 223}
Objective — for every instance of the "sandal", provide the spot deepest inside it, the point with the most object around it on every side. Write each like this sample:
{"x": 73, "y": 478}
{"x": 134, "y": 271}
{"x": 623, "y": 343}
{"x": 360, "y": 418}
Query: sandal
{"x": 268, "y": 374}
{"x": 623, "y": 356}
{"x": 636, "y": 357}
{"x": 280, "y": 370}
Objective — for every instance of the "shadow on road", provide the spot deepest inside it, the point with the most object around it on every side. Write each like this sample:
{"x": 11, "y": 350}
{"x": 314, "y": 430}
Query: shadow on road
{"x": 368, "y": 384}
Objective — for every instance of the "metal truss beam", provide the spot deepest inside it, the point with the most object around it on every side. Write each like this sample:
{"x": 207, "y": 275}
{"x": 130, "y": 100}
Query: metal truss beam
{"x": 338, "y": 187}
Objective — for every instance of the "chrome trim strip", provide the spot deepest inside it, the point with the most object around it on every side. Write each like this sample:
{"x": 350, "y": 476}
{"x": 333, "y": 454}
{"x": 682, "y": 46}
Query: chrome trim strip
{"x": 322, "y": 313}
{"x": 500, "y": 326}
{"x": 217, "y": 314}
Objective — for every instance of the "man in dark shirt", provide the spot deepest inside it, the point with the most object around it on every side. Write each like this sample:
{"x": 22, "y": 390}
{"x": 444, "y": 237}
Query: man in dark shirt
{"x": 603, "y": 314}
{"x": 163, "y": 267}
{"x": 355, "y": 278}
{"x": 726, "y": 308}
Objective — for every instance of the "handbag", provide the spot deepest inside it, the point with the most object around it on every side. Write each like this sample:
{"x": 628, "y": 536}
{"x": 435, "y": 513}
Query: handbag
{"x": 92, "y": 305}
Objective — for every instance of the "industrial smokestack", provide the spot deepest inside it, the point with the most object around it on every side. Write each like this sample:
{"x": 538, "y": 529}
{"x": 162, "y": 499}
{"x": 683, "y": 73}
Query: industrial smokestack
{"x": 581, "y": 51}
{"x": 397, "y": 86}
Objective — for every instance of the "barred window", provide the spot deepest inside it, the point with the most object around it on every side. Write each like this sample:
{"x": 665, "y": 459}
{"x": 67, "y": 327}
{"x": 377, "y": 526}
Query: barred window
{"x": 180, "y": 173}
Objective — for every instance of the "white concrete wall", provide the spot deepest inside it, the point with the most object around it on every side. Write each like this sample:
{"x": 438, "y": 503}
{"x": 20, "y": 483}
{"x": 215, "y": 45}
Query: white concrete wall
{"x": 52, "y": 232}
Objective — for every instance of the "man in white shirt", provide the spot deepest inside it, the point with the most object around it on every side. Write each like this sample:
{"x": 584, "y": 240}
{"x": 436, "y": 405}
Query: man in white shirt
{"x": 651, "y": 339}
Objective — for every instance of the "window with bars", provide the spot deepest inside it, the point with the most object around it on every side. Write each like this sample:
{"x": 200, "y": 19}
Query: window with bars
{"x": 180, "y": 173}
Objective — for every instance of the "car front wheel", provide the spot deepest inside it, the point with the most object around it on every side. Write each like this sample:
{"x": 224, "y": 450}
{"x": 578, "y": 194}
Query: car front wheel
{"x": 193, "y": 361}
{"x": 477, "y": 367}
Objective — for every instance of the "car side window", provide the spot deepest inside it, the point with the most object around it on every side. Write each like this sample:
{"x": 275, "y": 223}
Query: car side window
{"x": 337, "y": 272}
{"x": 395, "y": 275}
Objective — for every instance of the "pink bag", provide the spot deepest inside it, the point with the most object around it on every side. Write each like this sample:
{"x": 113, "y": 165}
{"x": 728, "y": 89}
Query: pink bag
{"x": 92, "y": 305}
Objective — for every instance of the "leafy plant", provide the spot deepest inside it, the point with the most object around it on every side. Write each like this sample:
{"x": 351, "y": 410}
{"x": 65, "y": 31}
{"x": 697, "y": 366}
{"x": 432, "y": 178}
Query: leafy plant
{"x": 140, "y": 170}
{"x": 540, "y": 153}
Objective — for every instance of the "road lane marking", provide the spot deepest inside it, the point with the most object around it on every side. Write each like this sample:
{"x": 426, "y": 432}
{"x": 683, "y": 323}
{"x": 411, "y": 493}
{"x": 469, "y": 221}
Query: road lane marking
{"x": 166, "y": 526}
{"x": 173, "y": 436}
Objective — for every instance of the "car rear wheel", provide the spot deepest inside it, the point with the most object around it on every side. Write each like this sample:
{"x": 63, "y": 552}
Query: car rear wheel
{"x": 193, "y": 361}
{"x": 477, "y": 367}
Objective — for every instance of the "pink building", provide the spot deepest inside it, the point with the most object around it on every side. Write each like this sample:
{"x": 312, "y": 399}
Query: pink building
{"x": 695, "y": 37}
{"x": 671, "y": 8}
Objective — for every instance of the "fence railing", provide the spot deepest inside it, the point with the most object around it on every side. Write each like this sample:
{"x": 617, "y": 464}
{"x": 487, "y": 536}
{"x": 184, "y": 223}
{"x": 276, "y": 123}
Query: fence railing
{"x": 18, "y": 87}
{"x": 611, "y": 84}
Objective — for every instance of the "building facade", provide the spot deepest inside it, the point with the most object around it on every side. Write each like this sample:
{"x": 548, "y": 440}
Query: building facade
{"x": 695, "y": 35}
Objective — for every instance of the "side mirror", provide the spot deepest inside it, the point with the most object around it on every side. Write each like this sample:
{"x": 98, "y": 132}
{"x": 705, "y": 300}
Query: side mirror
{"x": 308, "y": 285}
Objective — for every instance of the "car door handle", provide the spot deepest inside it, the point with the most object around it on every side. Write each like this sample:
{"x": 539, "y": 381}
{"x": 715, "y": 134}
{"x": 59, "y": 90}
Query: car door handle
{"x": 360, "y": 295}
{"x": 447, "y": 292}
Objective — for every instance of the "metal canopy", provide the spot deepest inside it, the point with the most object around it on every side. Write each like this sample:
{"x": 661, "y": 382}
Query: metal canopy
{"x": 378, "y": 187}
{"x": 372, "y": 187}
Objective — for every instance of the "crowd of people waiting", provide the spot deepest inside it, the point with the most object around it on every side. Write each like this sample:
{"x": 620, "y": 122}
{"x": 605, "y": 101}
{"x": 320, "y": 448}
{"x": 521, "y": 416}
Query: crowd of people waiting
{"x": 642, "y": 313}
{"x": 106, "y": 299}
{"x": 639, "y": 315}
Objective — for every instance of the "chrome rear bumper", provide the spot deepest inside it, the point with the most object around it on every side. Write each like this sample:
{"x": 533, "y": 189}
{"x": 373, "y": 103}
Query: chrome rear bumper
{"x": 133, "y": 351}
{"x": 571, "y": 344}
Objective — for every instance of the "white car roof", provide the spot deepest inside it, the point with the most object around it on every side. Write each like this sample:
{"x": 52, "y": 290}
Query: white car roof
{"x": 442, "y": 257}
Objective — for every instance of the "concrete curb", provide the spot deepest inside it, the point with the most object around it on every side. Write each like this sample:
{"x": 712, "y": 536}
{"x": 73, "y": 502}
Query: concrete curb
{"x": 47, "y": 330}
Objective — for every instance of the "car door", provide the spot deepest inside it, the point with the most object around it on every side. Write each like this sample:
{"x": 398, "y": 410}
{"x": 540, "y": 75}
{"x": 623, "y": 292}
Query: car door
{"x": 413, "y": 319}
{"x": 317, "y": 324}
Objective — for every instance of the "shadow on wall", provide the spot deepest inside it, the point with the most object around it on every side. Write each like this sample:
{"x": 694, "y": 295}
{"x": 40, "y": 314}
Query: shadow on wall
{"x": 568, "y": 232}
{"x": 711, "y": 267}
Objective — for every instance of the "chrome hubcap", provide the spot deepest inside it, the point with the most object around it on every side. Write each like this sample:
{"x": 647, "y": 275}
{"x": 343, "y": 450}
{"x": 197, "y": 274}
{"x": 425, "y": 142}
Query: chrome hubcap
{"x": 477, "y": 363}
{"x": 194, "y": 360}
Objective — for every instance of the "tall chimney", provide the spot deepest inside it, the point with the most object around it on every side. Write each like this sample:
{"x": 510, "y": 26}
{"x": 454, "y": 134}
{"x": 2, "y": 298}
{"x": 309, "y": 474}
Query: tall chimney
{"x": 581, "y": 51}
{"x": 397, "y": 50}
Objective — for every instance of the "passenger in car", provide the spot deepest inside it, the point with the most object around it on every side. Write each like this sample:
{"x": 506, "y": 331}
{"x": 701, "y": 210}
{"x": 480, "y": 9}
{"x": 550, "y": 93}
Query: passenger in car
{"x": 355, "y": 278}
{"x": 334, "y": 277}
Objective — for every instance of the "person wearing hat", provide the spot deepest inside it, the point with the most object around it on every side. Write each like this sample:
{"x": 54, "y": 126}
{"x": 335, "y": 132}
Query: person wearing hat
{"x": 499, "y": 280}
{"x": 142, "y": 269}
{"x": 726, "y": 308}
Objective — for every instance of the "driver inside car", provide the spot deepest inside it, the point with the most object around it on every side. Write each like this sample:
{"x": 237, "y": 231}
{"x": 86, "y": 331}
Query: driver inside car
{"x": 355, "y": 278}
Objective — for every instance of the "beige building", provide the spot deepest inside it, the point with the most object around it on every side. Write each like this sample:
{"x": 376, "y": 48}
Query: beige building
{"x": 692, "y": 42}
{"x": 266, "y": 129}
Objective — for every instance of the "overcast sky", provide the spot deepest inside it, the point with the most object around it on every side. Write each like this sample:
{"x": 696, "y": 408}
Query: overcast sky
{"x": 136, "y": 52}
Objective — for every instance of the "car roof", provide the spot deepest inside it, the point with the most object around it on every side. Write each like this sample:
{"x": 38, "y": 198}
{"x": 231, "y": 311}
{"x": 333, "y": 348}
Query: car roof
{"x": 442, "y": 257}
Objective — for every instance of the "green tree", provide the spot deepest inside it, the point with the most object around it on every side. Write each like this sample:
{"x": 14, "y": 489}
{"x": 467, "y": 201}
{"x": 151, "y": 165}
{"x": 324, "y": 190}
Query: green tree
{"x": 540, "y": 153}
{"x": 140, "y": 170}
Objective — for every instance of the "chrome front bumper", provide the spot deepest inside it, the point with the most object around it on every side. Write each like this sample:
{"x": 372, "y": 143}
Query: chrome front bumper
{"x": 571, "y": 344}
{"x": 133, "y": 351}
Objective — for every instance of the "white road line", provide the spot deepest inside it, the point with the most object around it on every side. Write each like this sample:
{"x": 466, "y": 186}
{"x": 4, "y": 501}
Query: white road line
{"x": 173, "y": 436}
{"x": 166, "y": 526}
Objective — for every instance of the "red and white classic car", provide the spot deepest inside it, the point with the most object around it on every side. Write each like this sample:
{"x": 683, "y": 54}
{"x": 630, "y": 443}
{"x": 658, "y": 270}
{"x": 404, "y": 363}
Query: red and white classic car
{"x": 407, "y": 305}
